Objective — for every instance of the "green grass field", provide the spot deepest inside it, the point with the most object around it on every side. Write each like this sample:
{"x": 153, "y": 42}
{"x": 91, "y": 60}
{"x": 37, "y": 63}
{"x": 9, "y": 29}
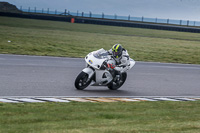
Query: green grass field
{"x": 51, "y": 38}
{"x": 120, "y": 117}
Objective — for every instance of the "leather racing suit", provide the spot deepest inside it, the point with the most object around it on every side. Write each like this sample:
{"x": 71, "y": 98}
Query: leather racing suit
{"x": 122, "y": 63}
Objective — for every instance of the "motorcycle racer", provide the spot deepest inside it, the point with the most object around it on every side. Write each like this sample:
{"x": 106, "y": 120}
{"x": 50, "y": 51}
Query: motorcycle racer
{"x": 105, "y": 68}
{"x": 120, "y": 60}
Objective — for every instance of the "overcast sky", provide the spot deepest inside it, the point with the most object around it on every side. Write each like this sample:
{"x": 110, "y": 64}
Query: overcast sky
{"x": 172, "y": 9}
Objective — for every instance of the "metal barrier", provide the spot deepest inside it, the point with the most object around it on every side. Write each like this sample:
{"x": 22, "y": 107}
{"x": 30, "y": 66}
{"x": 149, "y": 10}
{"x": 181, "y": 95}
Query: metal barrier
{"x": 116, "y": 17}
{"x": 101, "y": 21}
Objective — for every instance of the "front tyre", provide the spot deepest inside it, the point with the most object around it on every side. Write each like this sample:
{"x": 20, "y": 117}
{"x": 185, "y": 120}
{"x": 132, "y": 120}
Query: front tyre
{"x": 82, "y": 81}
{"x": 114, "y": 85}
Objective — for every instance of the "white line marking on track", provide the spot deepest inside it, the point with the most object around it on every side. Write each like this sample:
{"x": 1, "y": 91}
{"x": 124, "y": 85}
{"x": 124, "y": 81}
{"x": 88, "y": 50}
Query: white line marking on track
{"x": 77, "y": 99}
{"x": 52, "y": 100}
{"x": 145, "y": 99}
{"x": 166, "y": 99}
{"x": 185, "y": 99}
{"x": 26, "y": 100}
{"x": 8, "y": 101}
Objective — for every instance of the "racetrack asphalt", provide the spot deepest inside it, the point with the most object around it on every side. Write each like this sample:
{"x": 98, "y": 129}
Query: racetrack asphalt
{"x": 22, "y": 75}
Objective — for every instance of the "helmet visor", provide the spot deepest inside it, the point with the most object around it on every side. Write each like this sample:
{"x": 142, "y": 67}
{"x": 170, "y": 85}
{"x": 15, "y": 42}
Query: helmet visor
{"x": 115, "y": 53}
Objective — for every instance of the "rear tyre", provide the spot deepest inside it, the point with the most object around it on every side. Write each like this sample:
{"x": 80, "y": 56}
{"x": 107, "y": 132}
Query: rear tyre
{"x": 82, "y": 81}
{"x": 114, "y": 85}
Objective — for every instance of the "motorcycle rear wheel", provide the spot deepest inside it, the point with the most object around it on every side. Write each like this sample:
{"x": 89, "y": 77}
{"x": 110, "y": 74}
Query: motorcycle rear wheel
{"x": 114, "y": 86}
{"x": 82, "y": 81}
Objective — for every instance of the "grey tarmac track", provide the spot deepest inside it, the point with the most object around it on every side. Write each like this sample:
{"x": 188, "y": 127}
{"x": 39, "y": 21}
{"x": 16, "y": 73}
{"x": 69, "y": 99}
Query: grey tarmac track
{"x": 22, "y": 75}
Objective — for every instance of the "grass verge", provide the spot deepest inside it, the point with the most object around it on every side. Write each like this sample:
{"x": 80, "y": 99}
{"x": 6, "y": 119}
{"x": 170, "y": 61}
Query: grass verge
{"x": 51, "y": 38}
{"x": 117, "y": 117}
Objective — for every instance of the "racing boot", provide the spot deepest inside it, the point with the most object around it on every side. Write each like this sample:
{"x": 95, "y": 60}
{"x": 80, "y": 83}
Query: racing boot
{"x": 117, "y": 79}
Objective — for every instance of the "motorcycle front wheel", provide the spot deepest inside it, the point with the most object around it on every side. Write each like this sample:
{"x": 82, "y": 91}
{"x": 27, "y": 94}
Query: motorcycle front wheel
{"x": 116, "y": 85}
{"x": 82, "y": 81}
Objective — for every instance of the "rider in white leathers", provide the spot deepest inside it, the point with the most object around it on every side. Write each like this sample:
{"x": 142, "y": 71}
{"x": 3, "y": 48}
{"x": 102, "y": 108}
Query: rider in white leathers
{"x": 120, "y": 60}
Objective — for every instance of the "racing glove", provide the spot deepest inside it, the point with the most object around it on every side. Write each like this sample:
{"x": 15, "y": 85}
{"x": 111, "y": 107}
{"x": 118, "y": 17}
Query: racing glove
{"x": 111, "y": 66}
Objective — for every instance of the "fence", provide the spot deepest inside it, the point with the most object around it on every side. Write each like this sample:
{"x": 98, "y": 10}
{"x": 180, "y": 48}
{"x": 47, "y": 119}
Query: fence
{"x": 116, "y": 17}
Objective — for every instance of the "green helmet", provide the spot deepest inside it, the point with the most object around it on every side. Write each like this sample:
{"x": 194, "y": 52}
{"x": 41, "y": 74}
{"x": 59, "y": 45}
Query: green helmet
{"x": 117, "y": 50}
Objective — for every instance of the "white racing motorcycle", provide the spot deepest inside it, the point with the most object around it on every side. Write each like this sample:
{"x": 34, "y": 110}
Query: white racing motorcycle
{"x": 97, "y": 73}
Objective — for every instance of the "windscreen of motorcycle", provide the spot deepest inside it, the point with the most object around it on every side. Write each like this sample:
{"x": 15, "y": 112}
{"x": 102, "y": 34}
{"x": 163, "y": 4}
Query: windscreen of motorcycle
{"x": 100, "y": 54}
{"x": 96, "y": 58}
